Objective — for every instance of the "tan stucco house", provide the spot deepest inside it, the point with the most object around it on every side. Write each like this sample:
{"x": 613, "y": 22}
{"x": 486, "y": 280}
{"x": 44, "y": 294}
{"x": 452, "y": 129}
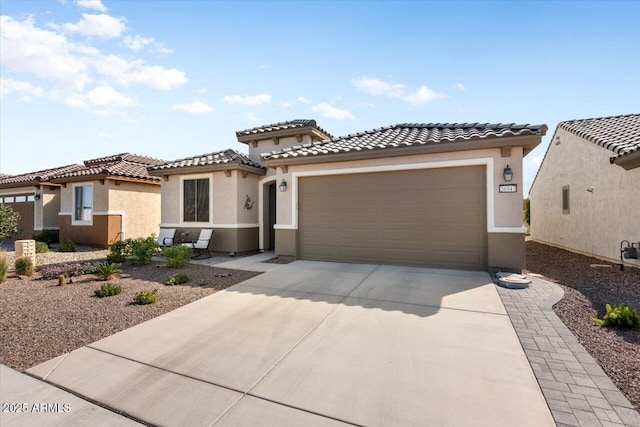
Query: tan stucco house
{"x": 35, "y": 198}
{"x": 109, "y": 199}
{"x": 437, "y": 195}
{"x": 586, "y": 194}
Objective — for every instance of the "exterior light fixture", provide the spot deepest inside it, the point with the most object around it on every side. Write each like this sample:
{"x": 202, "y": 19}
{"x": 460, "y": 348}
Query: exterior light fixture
{"x": 36, "y": 196}
{"x": 283, "y": 186}
{"x": 507, "y": 174}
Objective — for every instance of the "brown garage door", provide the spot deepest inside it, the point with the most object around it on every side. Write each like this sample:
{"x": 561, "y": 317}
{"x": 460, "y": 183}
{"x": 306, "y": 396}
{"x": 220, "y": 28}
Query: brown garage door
{"x": 429, "y": 217}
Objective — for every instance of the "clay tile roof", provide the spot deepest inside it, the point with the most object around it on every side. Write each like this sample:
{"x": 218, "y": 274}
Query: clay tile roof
{"x": 38, "y": 176}
{"x": 620, "y": 134}
{"x": 407, "y": 135}
{"x": 133, "y": 158}
{"x": 292, "y": 124}
{"x": 223, "y": 157}
{"x": 123, "y": 165}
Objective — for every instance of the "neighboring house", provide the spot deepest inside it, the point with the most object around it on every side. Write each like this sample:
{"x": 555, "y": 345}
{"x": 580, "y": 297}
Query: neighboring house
{"x": 586, "y": 194}
{"x": 35, "y": 198}
{"x": 411, "y": 194}
{"x": 109, "y": 199}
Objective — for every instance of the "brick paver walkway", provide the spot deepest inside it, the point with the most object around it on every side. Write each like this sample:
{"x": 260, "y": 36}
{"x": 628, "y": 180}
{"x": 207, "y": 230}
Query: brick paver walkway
{"x": 577, "y": 390}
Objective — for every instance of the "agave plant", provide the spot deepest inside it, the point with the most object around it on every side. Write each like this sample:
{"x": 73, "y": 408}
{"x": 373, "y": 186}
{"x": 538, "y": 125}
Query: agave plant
{"x": 106, "y": 270}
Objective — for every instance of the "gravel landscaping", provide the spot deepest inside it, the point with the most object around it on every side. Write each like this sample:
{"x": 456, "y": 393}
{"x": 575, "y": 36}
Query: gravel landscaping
{"x": 41, "y": 320}
{"x": 587, "y": 290}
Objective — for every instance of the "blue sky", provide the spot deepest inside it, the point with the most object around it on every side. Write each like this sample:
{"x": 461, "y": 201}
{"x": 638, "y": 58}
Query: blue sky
{"x": 170, "y": 79}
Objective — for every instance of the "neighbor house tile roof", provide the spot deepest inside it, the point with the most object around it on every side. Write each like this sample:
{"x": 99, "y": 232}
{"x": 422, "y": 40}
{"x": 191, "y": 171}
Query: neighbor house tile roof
{"x": 407, "y": 135}
{"x": 620, "y": 134}
{"x": 133, "y": 158}
{"x": 123, "y": 165}
{"x": 224, "y": 157}
{"x": 122, "y": 168}
{"x": 292, "y": 124}
{"x": 34, "y": 177}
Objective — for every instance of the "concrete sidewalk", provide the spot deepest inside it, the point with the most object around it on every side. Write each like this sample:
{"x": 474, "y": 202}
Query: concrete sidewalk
{"x": 317, "y": 343}
{"x": 30, "y": 402}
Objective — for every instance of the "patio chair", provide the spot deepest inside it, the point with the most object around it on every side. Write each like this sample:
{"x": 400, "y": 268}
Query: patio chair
{"x": 166, "y": 237}
{"x": 200, "y": 247}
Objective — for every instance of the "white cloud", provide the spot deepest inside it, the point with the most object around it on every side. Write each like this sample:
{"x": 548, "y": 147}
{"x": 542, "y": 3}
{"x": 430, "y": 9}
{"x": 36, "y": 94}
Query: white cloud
{"x": 25, "y": 89}
{"x": 303, "y": 100}
{"x": 103, "y": 25}
{"x": 459, "y": 86}
{"x": 124, "y": 72}
{"x": 374, "y": 86}
{"x": 285, "y": 104}
{"x": 196, "y": 107}
{"x": 137, "y": 42}
{"x": 378, "y": 87}
{"x": 262, "y": 98}
{"x": 421, "y": 96}
{"x": 91, "y": 4}
{"x": 203, "y": 90}
{"x": 107, "y": 135}
{"x": 537, "y": 160}
{"x": 331, "y": 112}
{"x": 163, "y": 51}
{"x": 252, "y": 117}
{"x": 46, "y": 54}
{"x": 103, "y": 100}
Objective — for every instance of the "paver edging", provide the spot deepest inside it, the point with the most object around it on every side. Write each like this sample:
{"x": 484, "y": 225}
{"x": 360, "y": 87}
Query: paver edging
{"x": 577, "y": 390}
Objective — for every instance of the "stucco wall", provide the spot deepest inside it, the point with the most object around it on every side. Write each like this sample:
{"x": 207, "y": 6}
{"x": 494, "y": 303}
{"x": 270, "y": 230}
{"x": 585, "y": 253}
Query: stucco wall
{"x": 100, "y": 196}
{"x": 597, "y": 220}
{"x": 228, "y": 198}
{"x": 267, "y": 145}
{"x": 140, "y": 204}
{"x": 507, "y": 207}
{"x": 49, "y": 205}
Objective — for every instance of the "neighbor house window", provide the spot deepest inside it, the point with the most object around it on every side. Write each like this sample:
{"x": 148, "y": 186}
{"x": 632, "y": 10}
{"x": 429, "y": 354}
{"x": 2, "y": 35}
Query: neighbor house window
{"x": 21, "y": 199}
{"x": 8, "y": 200}
{"x": 565, "y": 199}
{"x": 83, "y": 202}
{"x": 196, "y": 200}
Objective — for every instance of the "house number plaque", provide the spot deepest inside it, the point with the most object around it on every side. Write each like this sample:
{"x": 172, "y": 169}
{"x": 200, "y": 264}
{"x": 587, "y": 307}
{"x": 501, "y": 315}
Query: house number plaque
{"x": 508, "y": 188}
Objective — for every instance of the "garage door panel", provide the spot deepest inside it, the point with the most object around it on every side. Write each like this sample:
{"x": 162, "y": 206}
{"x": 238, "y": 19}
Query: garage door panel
{"x": 434, "y": 217}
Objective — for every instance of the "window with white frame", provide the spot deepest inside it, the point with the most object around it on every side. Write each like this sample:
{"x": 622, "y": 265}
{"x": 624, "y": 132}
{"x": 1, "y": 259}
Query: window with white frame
{"x": 195, "y": 198}
{"x": 83, "y": 203}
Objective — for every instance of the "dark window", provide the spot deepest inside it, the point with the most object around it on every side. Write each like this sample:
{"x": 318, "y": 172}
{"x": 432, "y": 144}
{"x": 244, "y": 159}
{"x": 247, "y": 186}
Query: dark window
{"x": 565, "y": 199}
{"x": 83, "y": 203}
{"x": 196, "y": 200}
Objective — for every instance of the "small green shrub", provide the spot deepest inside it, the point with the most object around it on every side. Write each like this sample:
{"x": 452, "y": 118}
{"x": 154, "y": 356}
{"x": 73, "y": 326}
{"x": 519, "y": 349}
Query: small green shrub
{"x": 23, "y": 266}
{"x": 118, "y": 251}
{"x": 62, "y": 280}
{"x": 47, "y": 236}
{"x": 138, "y": 250}
{"x": 4, "y": 268}
{"x": 142, "y": 249}
{"x": 41, "y": 247}
{"x": 621, "y": 315}
{"x": 106, "y": 270}
{"x": 146, "y": 297}
{"x": 108, "y": 290}
{"x": 67, "y": 246}
{"x": 177, "y": 279}
{"x": 177, "y": 256}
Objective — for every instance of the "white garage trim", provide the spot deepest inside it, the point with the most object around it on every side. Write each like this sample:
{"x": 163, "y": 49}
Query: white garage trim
{"x": 485, "y": 161}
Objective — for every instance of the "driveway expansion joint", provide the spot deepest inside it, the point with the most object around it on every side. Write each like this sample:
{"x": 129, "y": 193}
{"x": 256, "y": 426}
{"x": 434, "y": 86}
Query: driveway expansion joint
{"x": 577, "y": 390}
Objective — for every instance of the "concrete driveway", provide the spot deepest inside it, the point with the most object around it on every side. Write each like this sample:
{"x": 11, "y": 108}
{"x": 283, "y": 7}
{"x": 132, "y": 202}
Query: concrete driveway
{"x": 315, "y": 344}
